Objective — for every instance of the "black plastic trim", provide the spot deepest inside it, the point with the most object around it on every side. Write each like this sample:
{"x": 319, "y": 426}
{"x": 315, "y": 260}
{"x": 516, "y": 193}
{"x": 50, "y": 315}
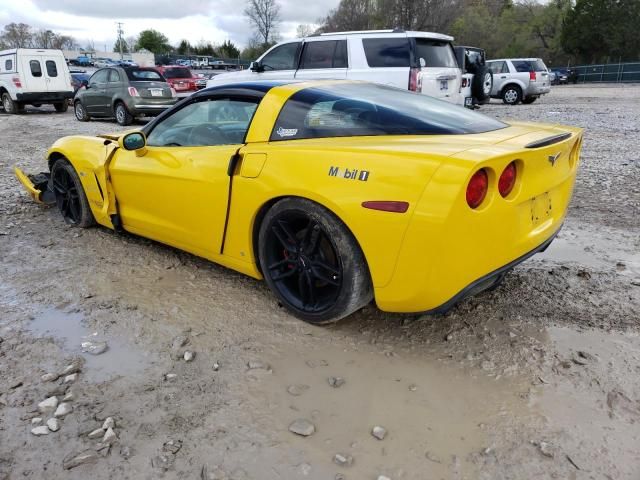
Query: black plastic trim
{"x": 545, "y": 142}
{"x": 488, "y": 281}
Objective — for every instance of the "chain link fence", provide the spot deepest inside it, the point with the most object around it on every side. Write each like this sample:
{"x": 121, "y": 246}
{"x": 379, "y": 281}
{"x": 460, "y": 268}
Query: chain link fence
{"x": 610, "y": 73}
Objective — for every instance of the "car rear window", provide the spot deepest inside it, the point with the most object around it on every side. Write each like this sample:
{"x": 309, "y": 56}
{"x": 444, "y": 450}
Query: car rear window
{"x": 176, "y": 72}
{"x": 529, "y": 65}
{"x": 362, "y": 109}
{"x": 386, "y": 52}
{"x": 143, "y": 74}
{"x": 436, "y": 53}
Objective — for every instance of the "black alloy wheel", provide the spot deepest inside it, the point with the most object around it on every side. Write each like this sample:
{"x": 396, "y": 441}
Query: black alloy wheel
{"x": 70, "y": 197}
{"x": 312, "y": 262}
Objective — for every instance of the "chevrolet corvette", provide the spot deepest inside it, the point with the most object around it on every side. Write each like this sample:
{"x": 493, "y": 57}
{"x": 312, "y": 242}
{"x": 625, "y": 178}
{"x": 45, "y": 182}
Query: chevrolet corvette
{"x": 336, "y": 193}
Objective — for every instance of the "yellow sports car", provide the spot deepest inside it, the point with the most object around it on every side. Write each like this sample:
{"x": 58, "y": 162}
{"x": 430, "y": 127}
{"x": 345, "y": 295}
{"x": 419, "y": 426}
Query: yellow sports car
{"x": 334, "y": 192}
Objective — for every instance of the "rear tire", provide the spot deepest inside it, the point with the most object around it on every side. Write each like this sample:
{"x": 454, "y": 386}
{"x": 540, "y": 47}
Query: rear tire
{"x": 123, "y": 117}
{"x": 9, "y": 105}
{"x": 312, "y": 263}
{"x": 61, "y": 107}
{"x": 529, "y": 100}
{"x": 482, "y": 84}
{"x": 70, "y": 197}
{"x": 511, "y": 95}
{"x": 80, "y": 112}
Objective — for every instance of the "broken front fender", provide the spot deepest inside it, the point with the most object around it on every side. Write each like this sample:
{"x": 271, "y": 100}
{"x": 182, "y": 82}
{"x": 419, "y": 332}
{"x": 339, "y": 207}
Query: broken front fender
{"x": 37, "y": 186}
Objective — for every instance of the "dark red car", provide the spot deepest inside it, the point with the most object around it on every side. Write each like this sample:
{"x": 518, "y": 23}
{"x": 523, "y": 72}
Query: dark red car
{"x": 180, "y": 78}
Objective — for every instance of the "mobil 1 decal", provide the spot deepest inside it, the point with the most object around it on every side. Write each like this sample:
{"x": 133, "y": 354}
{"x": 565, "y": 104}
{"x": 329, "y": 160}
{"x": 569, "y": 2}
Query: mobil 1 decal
{"x": 349, "y": 173}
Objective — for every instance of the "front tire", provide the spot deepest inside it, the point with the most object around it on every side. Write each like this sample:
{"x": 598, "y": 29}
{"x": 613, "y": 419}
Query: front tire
{"x": 80, "y": 112}
{"x": 70, "y": 197}
{"x": 123, "y": 117}
{"x": 61, "y": 107}
{"x": 512, "y": 95}
{"x": 312, "y": 263}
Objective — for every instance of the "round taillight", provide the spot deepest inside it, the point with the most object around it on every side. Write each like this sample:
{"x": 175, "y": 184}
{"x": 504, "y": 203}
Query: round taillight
{"x": 477, "y": 188}
{"x": 507, "y": 179}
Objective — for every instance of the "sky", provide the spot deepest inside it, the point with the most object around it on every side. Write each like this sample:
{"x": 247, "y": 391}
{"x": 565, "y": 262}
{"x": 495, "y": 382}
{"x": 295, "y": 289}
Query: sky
{"x": 193, "y": 20}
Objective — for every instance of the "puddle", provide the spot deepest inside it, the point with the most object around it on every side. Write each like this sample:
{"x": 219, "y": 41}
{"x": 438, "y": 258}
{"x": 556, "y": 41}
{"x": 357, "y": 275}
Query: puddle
{"x": 120, "y": 359}
{"x": 425, "y": 406}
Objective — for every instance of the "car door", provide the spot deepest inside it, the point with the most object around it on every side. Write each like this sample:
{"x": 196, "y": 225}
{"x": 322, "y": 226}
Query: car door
{"x": 115, "y": 83}
{"x": 323, "y": 58}
{"x": 500, "y": 72}
{"x": 280, "y": 63}
{"x": 177, "y": 191}
{"x": 93, "y": 97}
{"x": 33, "y": 79}
{"x": 55, "y": 74}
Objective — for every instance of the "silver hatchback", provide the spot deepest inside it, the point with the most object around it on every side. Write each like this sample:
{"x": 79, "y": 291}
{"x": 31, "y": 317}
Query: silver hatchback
{"x": 519, "y": 79}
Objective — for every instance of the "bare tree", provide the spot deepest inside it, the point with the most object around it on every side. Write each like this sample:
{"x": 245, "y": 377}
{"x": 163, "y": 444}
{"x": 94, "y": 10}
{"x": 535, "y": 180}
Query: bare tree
{"x": 17, "y": 35}
{"x": 304, "y": 30}
{"x": 264, "y": 15}
{"x": 43, "y": 39}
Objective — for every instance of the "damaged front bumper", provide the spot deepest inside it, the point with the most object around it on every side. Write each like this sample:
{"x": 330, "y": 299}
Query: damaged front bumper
{"x": 37, "y": 186}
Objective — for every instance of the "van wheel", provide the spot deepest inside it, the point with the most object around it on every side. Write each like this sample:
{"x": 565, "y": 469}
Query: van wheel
{"x": 61, "y": 107}
{"x": 528, "y": 100}
{"x": 511, "y": 95}
{"x": 123, "y": 117}
{"x": 81, "y": 113}
{"x": 9, "y": 105}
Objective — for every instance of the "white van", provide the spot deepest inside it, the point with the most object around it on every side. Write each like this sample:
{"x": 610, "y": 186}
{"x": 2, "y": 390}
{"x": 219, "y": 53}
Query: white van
{"x": 30, "y": 76}
{"x": 423, "y": 62}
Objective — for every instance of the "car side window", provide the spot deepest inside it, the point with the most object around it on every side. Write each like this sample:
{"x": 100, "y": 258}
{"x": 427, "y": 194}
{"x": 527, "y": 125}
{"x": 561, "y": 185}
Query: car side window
{"x": 498, "y": 67}
{"x": 114, "y": 76}
{"x": 207, "y": 122}
{"x": 8, "y": 65}
{"x": 283, "y": 57}
{"x": 386, "y": 52}
{"x": 522, "y": 66}
{"x": 324, "y": 54}
{"x": 36, "y": 68}
{"x": 99, "y": 77}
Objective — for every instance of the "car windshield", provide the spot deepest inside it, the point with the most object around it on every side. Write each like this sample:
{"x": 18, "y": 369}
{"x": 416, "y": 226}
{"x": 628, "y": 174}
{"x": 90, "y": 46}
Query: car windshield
{"x": 143, "y": 74}
{"x": 360, "y": 109}
{"x": 177, "y": 72}
{"x": 435, "y": 53}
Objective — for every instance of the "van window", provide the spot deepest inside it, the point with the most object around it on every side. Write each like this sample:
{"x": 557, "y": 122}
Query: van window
{"x": 436, "y": 53}
{"x": 36, "y": 69}
{"x": 52, "y": 70}
{"x": 324, "y": 54}
{"x": 386, "y": 52}
{"x": 343, "y": 110}
{"x": 8, "y": 65}
{"x": 284, "y": 57}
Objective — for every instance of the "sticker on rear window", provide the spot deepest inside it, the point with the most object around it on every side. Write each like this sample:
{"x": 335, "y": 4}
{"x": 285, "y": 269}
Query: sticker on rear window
{"x": 287, "y": 132}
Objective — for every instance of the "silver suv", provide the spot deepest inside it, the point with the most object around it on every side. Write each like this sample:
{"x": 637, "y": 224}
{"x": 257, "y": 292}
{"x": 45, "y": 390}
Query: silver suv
{"x": 519, "y": 79}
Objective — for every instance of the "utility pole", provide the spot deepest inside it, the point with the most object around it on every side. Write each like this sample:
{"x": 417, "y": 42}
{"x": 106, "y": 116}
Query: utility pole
{"x": 120, "y": 39}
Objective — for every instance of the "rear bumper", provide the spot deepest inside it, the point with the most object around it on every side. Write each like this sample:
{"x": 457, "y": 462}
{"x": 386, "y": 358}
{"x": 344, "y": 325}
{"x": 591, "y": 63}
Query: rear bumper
{"x": 145, "y": 107}
{"x": 538, "y": 90}
{"x": 44, "y": 97}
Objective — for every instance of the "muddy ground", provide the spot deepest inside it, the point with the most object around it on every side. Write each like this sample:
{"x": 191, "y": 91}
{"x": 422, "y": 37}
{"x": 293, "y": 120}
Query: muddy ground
{"x": 537, "y": 379}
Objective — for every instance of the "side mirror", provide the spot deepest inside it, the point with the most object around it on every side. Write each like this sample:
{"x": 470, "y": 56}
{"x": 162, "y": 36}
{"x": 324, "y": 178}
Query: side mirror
{"x": 134, "y": 141}
{"x": 256, "y": 67}
{"x": 85, "y": 83}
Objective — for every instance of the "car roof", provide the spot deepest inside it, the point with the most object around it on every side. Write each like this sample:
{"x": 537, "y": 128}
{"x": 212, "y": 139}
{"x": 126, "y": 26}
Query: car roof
{"x": 258, "y": 85}
{"x": 377, "y": 34}
{"x": 528, "y": 59}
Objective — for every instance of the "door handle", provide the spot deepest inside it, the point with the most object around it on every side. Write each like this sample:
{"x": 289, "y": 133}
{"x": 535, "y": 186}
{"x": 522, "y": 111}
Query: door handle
{"x": 503, "y": 76}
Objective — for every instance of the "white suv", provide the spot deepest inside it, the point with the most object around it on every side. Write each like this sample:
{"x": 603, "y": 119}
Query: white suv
{"x": 419, "y": 61}
{"x": 519, "y": 79}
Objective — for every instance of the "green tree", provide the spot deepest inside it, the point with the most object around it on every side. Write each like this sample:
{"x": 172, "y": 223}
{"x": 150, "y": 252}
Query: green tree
{"x": 184, "y": 47}
{"x": 228, "y": 50}
{"x": 154, "y": 41}
{"x": 125, "y": 46}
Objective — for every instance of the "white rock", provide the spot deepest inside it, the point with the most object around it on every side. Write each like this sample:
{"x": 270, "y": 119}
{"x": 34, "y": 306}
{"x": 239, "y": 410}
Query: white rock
{"x": 383, "y": 477}
{"x": 36, "y": 421}
{"x": 216, "y": 366}
{"x": 49, "y": 377}
{"x": 109, "y": 422}
{"x": 53, "y": 424}
{"x": 302, "y": 427}
{"x": 109, "y": 436}
{"x": 94, "y": 348}
{"x": 69, "y": 369}
{"x": 62, "y": 410}
{"x": 70, "y": 396}
{"x": 189, "y": 356}
{"x": 48, "y": 405}
{"x": 71, "y": 378}
{"x": 170, "y": 376}
{"x": 343, "y": 460}
{"x": 97, "y": 433}
{"x": 41, "y": 430}
{"x": 379, "y": 432}
{"x": 258, "y": 365}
